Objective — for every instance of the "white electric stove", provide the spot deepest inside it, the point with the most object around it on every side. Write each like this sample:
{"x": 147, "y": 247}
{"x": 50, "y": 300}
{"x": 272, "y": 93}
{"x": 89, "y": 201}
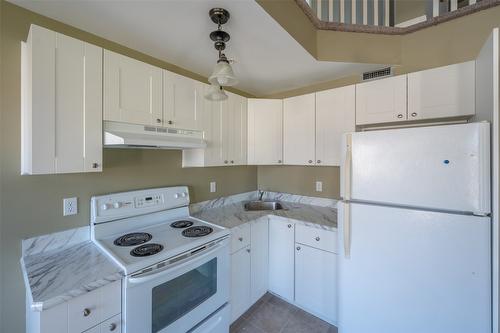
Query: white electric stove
{"x": 176, "y": 266}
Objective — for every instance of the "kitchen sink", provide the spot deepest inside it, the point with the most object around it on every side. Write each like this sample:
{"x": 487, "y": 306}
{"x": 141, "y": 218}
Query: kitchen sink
{"x": 263, "y": 205}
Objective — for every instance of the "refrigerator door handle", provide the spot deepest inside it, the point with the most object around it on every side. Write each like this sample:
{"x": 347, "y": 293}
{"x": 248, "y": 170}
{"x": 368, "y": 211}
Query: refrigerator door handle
{"x": 347, "y": 230}
{"x": 347, "y": 168}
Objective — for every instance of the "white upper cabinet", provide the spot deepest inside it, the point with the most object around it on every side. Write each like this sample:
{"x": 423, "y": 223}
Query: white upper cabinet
{"x": 182, "y": 101}
{"x": 335, "y": 115}
{"x": 61, "y": 104}
{"x": 132, "y": 90}
{"x": 265, "y": 131}
{"x": 442, "y": 92}
{"x": 299, "y": 130}
{"x": 381, "y": 101}
{"x": 236, "y": 128}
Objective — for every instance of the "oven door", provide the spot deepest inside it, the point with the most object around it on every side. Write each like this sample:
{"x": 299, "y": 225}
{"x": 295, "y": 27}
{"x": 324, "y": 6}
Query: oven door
{"x": 181, "y": 294}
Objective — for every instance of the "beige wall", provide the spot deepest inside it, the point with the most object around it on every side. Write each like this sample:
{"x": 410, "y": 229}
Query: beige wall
{"x": 300, "y": 179}
{"x": 32, "y": 205}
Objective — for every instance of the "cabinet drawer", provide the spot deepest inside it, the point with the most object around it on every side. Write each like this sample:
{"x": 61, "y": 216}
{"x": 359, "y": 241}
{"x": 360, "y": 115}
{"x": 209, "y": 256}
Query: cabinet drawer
{"x": 240, "y": 237}
{"x": 318, "y": 238}
{"x": 90, "y": 309}
{"x": 112, "y": 325}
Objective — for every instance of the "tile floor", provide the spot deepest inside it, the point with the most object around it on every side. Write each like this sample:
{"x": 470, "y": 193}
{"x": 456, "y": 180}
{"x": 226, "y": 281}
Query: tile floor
{"x": 273, "y": 315}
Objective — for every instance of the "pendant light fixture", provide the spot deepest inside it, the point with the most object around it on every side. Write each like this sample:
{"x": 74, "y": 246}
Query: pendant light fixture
{"x": 222, "y": 75}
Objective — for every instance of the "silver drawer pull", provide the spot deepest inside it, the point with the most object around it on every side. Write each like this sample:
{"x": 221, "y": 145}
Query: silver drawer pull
{"x": 298, "y": 248}
{"x": 248, "y": 250}
{"x": 289, "y": 226}
{"x": 112, "y": 327}
{"x": 400, "y": 116}
{"x": 279, "y": 161}
{"x": 86, "y": 312}
{"x": 317, "y": 239}
{"x": 414, "y": 114}
{"x": 240, "y": 239}
{"x": 158, "y": 120}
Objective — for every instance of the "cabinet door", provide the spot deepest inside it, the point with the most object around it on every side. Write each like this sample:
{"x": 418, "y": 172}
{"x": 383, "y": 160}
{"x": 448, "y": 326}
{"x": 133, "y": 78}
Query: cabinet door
{"x": 315, "y": 281}
{"x": 381, "y": 101}
{"x": 281, "y": 258}
{"x": 239, "y": 152}
{"x": 335, "y": 115}
{"x": 212, "y": 126}
{"x": 240, "y": 282}
{"x": 299, "y": 130}
{"x": 228, "y": 130}
{"x": 62, "y": 104}
{"x": 259, "y": 258}
{"x": 182, "y": 101}
{"x": 265, "y": 131}
{"x": 442, "y": 92}
{"x": 132, "y": 90}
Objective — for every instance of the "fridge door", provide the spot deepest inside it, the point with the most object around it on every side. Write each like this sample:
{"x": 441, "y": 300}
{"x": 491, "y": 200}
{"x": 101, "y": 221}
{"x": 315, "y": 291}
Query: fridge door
{"x": 413, "y": 271}
{"x": 437, "y": 167}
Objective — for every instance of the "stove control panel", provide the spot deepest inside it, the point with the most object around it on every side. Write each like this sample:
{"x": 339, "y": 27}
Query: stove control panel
{"x": 127, "y": 204}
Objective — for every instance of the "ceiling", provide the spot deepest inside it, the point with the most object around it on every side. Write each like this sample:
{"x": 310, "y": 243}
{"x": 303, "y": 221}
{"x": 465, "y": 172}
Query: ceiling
{"x": 268, "y": 59}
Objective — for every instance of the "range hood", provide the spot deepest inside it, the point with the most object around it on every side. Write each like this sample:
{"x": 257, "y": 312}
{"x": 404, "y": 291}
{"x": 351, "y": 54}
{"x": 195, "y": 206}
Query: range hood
{"x": 124, "y": 135}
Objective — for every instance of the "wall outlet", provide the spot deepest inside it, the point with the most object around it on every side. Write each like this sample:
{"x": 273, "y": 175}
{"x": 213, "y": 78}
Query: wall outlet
{"x": 70, "y": 206}
{"x": 319, "y": 186}
{"x": 213, "y": 187}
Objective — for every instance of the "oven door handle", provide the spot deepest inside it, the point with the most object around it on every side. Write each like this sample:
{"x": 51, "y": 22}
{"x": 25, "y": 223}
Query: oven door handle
{"x": 145, "y": 277}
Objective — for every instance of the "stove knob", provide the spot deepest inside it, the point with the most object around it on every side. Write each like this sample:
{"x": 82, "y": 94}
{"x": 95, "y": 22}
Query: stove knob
{"x": 184, "y": 194}
{"x": 117, "y": 204}
{"x": 176, "y": 195}
{"x": 104, "y": 206}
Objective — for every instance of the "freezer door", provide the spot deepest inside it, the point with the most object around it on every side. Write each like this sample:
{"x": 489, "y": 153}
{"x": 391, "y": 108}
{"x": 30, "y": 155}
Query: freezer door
{"x": 437, "y": 167}
{"x": 413, "y": 271}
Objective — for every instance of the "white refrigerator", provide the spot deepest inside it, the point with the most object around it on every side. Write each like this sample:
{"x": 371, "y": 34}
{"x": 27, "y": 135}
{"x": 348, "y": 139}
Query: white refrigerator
{"x": 414, "y": 231}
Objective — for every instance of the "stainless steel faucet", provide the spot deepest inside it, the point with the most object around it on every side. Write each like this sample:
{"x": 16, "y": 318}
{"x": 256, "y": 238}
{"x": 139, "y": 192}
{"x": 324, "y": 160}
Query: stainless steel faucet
{"x": 261, "y": 194}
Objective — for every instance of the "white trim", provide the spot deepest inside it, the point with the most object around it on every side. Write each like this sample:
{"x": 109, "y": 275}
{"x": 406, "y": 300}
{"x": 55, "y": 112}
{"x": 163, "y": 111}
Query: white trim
{"x": 411, "y": 22}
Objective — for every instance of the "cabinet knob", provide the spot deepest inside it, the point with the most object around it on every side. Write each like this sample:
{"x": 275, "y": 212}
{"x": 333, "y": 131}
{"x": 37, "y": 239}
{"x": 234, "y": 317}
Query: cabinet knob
{"x": 225, "y": 162}
{"x": 310, "y": 161}
{"x": 240, "y": 239}
{"x": 232, "y": 162}
{"x": 298, "y": 248}
{"x": 289, "y": 226}
{"x": 400, "y": 116}
{"x": 279, "y": 161}
{"x": 414, "y": 114}
{"x": 170, "y": 122}
{"x": 158, "y": 120}
{"x": 318, "y": 161}
{"x": 95, "y": 165}
{"x": 248, "y": 250}
{"x": 317, "y": 239}
{"x": 86, "y": 312}
{"x": 112, "y": 327}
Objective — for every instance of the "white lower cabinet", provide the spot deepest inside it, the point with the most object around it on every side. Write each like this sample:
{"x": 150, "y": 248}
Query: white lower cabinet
{"x": 259, "y": 231}
{"x": 315, "y": 281}
{"x": 96, "y": 311}
{"x": 281, "y": 258}
{"x": 240, "y": 282}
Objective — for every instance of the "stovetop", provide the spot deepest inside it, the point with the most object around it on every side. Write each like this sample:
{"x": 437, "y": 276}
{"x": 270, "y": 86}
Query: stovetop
{"x": 139, "y": 248}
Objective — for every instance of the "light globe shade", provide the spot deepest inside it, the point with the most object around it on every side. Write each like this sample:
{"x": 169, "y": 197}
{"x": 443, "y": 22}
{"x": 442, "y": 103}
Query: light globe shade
{"x": 223, "y": 75}
{"x": 216, "y": 93}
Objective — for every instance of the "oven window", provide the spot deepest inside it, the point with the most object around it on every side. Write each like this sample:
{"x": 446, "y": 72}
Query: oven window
{"x": 175, "y": 298}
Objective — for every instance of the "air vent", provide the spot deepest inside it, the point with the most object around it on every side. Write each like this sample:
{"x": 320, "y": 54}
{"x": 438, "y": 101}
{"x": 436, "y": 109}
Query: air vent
{"x": 379, "y": 73}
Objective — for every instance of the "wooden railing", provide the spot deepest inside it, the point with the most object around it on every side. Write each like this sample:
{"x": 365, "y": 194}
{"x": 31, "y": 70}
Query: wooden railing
{"x": 380, "y": 12}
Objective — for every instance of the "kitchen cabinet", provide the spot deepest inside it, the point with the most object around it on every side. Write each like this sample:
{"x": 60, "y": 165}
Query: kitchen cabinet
{"x": 335, "y": 115}
{"x": 182, "y": 101}
{"x": 240, "y": 282}
{"x": 299, "y": 130}
{"x": 225, "y": 131}
{"x": 281, "y": 258}
{"x": 442, "y": 92}
{"x": 315, "y": 281}
{"x": 132, "y": 90}
{"x": 381, "y": 101}
{"x": 259, "y": 256}
{"x": 96, "y": 311}
{"x": 265, "y": 131}
{"x": 61, "y": 118}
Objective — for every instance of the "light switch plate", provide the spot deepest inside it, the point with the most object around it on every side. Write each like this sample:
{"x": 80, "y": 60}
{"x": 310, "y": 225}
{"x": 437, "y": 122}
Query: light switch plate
{"x": 213, "y": 187}
{"x": 319, "y": 186}
{"x": 70, "y": 206}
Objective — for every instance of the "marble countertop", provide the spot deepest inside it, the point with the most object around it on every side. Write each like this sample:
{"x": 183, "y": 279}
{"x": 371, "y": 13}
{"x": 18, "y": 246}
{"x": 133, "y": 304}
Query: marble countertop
{"x": 233, "y": 215}
{"x": 57, "y": 275}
